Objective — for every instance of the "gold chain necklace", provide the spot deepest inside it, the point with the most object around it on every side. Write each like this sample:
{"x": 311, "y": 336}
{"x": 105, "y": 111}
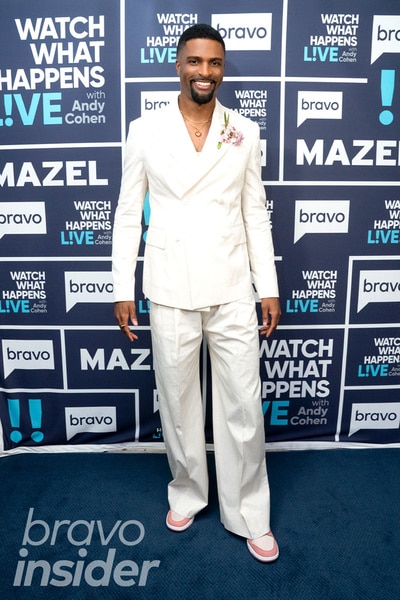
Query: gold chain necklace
{"x": 197, "y": 132}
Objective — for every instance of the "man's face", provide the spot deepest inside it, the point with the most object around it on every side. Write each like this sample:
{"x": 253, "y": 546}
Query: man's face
{"x": 200, "y": 67}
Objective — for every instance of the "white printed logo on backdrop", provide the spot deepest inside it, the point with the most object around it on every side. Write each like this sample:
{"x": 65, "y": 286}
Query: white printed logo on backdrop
{"x": 244, "y": 31}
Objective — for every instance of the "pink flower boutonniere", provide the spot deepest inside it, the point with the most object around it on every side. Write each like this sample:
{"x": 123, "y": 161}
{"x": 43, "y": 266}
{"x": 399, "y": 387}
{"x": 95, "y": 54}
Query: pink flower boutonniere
{"x": 230, "y": 135}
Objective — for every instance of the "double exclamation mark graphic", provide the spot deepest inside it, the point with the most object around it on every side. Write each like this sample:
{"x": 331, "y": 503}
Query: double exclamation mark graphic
{"x": 8, "y": 121}
{"x": 35, "y": 413}
{"x": 387, "y": 93}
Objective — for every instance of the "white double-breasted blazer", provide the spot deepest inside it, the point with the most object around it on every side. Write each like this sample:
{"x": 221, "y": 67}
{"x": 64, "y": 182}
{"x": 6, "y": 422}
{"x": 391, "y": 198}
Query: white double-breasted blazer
{"x": 208, "y": 221}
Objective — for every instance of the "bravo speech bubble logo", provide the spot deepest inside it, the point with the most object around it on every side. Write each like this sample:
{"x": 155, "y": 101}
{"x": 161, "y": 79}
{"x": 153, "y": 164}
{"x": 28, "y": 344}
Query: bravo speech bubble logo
{"x": 385, "y": 35}
{"x": 378, "y": 286}
{"x": 318, "y": 105}
{"x": 27, "y": 354}
{"x": 244, "y": 31}
{"x": 152, "y": 101}
{"x": 92, "y": 419}
{"x": 22, "y": 218}
{"x": 383, "y": 415}
{"x": 88, "y": 286}
{"x": 321, "y": 216}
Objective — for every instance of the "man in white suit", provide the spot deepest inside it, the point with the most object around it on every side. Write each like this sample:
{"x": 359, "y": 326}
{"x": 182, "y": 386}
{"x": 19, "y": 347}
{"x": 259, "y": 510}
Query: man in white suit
{"x": 209, "y": 230}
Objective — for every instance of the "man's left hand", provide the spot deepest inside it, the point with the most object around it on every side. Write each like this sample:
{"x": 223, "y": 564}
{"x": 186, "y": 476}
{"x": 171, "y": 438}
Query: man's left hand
{"x": 271, "y": 313}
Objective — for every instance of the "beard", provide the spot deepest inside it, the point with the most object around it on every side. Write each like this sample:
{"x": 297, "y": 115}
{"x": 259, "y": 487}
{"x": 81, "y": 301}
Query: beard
{"x": 202, "y": 98}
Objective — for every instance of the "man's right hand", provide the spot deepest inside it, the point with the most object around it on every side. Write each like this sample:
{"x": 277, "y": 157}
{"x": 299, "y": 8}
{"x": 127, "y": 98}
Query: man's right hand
{"x": 125, "y": 312}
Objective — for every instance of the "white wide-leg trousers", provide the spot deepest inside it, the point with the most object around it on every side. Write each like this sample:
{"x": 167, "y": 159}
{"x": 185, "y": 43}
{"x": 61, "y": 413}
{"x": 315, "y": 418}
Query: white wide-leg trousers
{"x": 238, "y": 427}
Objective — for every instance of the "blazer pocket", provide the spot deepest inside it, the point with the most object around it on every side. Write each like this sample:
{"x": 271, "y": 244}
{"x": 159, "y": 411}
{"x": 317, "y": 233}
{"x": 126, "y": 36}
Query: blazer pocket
{"x": 156, "y": 237}
{"x": 238, "y": 235}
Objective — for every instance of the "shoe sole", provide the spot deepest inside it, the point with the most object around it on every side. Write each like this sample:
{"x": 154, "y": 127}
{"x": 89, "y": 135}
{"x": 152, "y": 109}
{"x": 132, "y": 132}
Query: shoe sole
{"x": 179, "y": 528}
{"x": 260, "y": 557}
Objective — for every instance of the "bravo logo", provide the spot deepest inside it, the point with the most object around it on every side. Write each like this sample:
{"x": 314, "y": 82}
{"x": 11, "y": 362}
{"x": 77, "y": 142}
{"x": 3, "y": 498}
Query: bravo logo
{"x": 152, "y": 101}
{"x": 385, "y": 35}
{"x": 87, "y": 286}
{"x": 318, "y": 105}
{"x": 75, "y": 546}
{"x": 22, "y": 218}
{"x": 384, "y": 415}
{"x": 378, "y": 286}
{"x": 244, "y": 31}
{"x": 93, "y": 419}
{"x": 27, "y": 354}
{"x": 321, "y": 216}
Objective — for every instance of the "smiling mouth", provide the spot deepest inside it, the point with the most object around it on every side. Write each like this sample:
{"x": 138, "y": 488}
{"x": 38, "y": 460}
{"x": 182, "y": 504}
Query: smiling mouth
{"x": 202, "y": 90}
{"x": 202, "y": 84}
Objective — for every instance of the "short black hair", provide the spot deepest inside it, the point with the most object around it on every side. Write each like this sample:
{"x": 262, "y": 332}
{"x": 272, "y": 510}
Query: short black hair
{"x": 200, "y": 30}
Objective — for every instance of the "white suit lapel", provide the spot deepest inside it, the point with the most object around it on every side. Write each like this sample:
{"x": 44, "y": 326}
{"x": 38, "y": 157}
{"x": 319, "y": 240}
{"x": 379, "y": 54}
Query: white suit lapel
{"x": 190, "y": 167}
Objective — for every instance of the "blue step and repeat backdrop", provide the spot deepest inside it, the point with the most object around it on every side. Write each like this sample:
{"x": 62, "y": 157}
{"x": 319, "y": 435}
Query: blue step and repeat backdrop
{"x": 322, "y": 80}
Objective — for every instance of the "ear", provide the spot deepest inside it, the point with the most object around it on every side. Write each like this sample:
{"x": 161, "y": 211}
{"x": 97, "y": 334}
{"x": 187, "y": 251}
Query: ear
{"x": 178, "y": 66}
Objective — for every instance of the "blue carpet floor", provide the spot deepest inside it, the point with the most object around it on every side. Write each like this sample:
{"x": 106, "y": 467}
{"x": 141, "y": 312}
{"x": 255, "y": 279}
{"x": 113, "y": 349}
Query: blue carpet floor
{"x": 91, "y": 526}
